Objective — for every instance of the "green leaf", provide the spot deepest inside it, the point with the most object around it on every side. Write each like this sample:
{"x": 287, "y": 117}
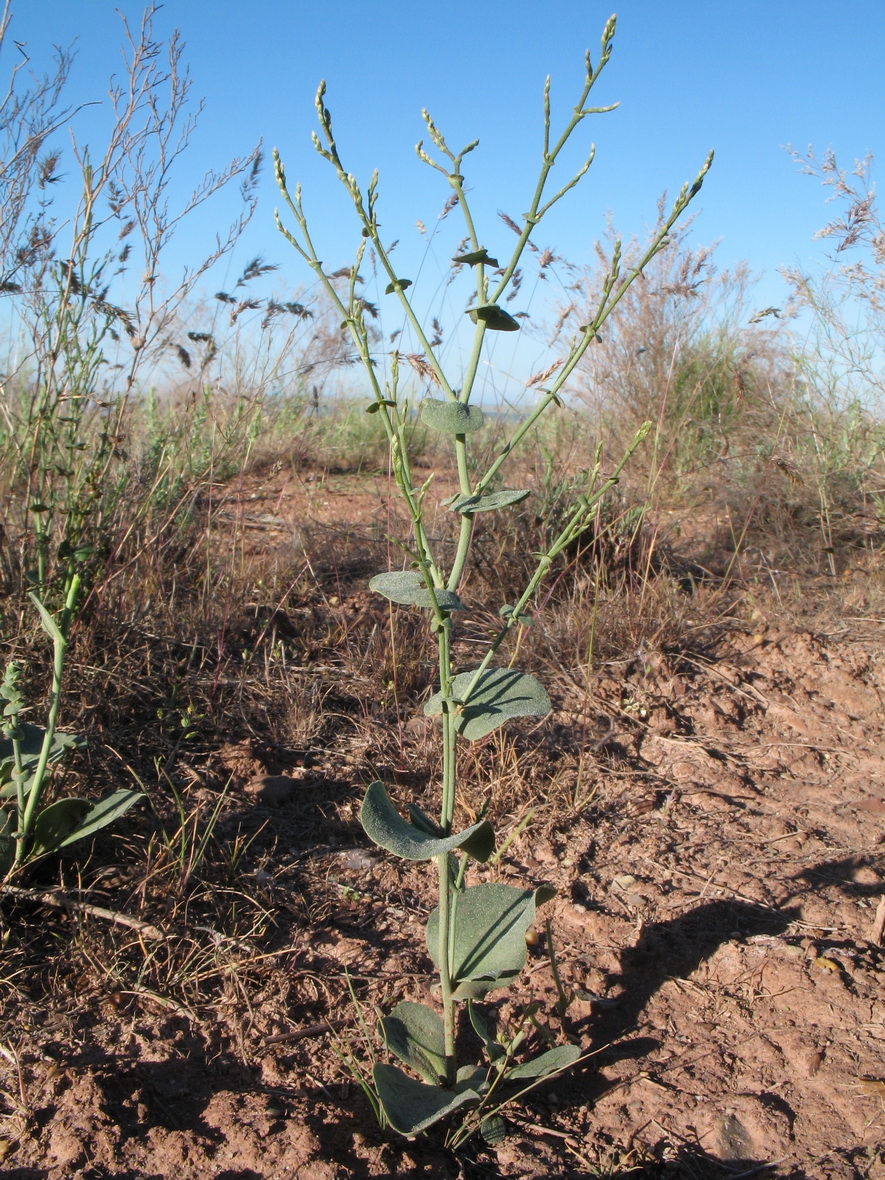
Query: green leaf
{"x": 31, "y": 745}
{"x": 409, "y": 588}
{"x": 397, "y": 285}
{"x": 66, "y": 550}
{"x": 451, "y": 417}
{"x": 7, "y": 843}
{"x": 480, "y": 255}
{"x": 490, "y": 921}
{"x": 49, "y": 624}
{"x": 506, "y": 612}
{"x": 550, "y": 1062}
{"x": 494, "y": 317}
{"x": 384, "y": 825}
{"x": 493, "y": 1129}
{"x": 8, "y": 790}
{"x": 473, "y": 1075}
{"x": 416, "y": 1034}
{"x": 105, "y": 811}
{"x": 490, "y": 503}
{"x": 412, "y": 1106}
{"x": 480, "y": 1027}
{"x": 55, "y": 823}
{"x": 501, "y": 693}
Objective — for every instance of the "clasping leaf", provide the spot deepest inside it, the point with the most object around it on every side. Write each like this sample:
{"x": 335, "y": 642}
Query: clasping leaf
{"x": 70, "y": 819}
{"x": 409, "y": 588}
{"x": 490, "y": 503}
{"x": 451, "y": 417}
{"x": 500, "y": 694}
{"x": 31, "y": 744}
{"x": 384, "y": 825}
{"x": 494, "y": 317}
{"x": 416, "y": 1034}
{"x": 490, "y": 922}
{"x": 480, "y": 255}
{"x": 552, "y": 1061}
{"x": 412, "y": 1106}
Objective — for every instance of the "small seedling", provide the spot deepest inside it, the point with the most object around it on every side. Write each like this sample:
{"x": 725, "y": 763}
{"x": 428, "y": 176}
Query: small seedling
{"x": 28, "y": 756}
{"x": 476, "y": 935}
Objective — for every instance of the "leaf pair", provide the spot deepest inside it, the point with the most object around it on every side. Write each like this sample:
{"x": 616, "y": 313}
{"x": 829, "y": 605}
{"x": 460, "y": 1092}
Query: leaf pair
{"x": 415, "y": 1034}
{"x": 63, "y": 822}
{"x": 489, "y": 921}
{"x": 68, "y": 820}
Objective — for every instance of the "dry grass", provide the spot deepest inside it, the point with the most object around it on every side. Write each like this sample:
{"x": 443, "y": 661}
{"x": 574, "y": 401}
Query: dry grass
{"x": 197, "y": 639}
{"x": 219, "y": 647}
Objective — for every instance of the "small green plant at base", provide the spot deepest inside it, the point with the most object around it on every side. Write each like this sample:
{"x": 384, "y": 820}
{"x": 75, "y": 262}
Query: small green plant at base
{"x": 476, "y": 935}
{"x": 28, "y": 755}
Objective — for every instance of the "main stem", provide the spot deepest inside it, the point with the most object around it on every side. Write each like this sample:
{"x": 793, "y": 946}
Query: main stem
{"x": 38, "y": 782}
{"x": 447, "y": 814}
{"x": 395, "y": 421}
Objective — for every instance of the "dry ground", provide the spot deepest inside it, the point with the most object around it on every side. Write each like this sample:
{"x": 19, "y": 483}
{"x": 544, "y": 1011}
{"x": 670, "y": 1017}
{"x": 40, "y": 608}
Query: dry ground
{"x": 712, "y": 817}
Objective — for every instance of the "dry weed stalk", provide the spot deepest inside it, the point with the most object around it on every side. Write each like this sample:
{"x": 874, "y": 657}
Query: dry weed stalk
{"x": 65, "y": 429}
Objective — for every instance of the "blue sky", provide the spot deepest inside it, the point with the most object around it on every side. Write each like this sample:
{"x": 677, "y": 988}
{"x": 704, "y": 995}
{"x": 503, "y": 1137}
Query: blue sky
{"x": 743, "y": 78}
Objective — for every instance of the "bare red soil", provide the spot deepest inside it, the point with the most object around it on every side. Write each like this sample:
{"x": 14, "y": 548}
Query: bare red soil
{"x": 718, "y": 923}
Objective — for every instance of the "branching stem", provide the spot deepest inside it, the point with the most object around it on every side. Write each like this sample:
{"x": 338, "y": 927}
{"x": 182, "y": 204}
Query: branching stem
{"x": 460, "y": 708}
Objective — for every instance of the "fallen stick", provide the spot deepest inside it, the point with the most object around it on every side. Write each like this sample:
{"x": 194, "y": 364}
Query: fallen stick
{"x": 60, "y": 901}
{"x": 312, "y": 1030}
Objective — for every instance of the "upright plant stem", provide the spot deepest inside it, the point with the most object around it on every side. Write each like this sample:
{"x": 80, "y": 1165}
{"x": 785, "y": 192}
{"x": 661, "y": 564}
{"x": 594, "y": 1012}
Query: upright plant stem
{"x": 447, "y": 814}
{"x": 445, "y": 973}
{"x": 59, "y": 636}
{"x": 396, "y": 836}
